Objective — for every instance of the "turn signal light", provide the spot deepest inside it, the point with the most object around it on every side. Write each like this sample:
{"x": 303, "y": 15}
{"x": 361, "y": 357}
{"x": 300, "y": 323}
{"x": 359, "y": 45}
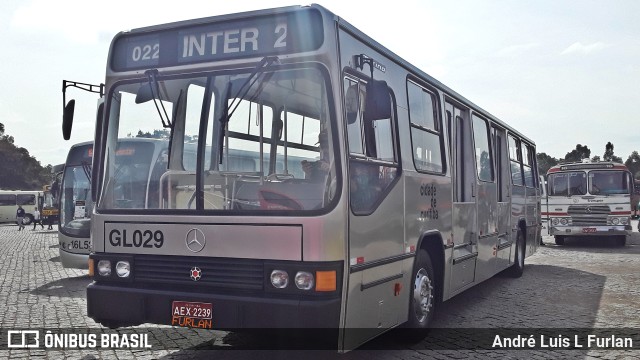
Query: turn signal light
{"x": 326, "y": 280}
{"x": 91, "y": 269}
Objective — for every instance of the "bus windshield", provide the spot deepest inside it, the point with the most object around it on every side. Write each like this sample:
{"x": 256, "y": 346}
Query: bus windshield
{"x": 609, "y": 182}
{"x": 75, "y": 199}
{"x": 568, "y": 184}
{"x": 267, "y": 141}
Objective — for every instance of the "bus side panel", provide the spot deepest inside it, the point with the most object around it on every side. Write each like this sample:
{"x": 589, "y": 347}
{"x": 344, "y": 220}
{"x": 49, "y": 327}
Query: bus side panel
{"x": 533, "y": 220}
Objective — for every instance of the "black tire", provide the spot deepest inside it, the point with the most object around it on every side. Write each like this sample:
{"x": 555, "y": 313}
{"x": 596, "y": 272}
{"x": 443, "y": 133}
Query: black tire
{"x": 28, "y": 219}
{"x": 516, "y": 270}
{"x": 559, "y": 240}
{"x": 422, "y": 304}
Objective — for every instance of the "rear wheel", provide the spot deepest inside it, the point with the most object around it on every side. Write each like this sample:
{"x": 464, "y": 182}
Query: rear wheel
{"x": 517, "y": 268}
{"x": 27, "y": 220}
{"x": 559, "y": 240}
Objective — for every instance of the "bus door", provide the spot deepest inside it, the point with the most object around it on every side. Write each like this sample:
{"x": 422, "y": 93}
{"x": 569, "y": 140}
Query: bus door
{"x": 544, "y": 200}
{"x": 486, "y": 199}
{"x": 464, "y": 217}
{"x": 503, "y": 179}
{"x": 376, "y": 222}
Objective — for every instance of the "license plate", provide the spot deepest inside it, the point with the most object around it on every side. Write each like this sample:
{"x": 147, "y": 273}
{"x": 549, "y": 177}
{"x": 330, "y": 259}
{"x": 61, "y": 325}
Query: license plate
{"x": 192, "y": 314}
{"x": 589, "y": 230}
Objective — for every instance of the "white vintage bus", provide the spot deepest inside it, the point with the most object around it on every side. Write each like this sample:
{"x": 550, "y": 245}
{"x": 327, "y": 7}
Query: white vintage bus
{"x": 408, "y": 194}
{"x": 589, "y": 199}
{"x": 11, "y": 199}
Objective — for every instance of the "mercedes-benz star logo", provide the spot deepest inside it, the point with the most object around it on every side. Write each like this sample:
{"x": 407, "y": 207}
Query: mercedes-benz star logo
{"x": 195, "y": 240}
{"x": 196, "y": 273}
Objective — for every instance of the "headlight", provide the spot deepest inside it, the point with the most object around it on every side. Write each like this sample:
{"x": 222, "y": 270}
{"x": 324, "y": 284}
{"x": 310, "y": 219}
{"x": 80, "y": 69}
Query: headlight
{"x": 564, "y": 221}
{"x": 624, "y": 221}
{"x": 615, "y": 221}
{"x": 554, "y": 221}
{"x": 304, "y": 280}
{"x": 104, "y": 267}
{"x": 279, "y": 279}
{"x": 123, "y": 269}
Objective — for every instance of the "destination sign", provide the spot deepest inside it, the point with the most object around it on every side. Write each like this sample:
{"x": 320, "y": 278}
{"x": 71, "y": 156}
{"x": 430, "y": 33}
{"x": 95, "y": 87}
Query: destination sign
{"x": 292, "y": 32}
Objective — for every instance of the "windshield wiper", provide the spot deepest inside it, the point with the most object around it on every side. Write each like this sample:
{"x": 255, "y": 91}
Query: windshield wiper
{"x": 241, "y": 94}
{"x": 152, "y": 92}
{"x": 86, "y": 167}
{"x": 251, "y": 80}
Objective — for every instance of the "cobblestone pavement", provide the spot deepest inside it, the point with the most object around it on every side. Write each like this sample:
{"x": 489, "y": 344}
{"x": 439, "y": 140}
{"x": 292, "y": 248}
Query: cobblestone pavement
{"x": 584, "y": 285}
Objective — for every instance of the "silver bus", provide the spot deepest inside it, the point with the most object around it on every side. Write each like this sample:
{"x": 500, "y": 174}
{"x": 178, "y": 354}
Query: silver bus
{"x": 409, "y": 193}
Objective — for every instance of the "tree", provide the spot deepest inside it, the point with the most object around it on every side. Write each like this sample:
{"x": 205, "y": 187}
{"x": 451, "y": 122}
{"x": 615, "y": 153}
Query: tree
{"x": 18, "y": 169}
{"x": 608, "y": 154}
{"x": 577, "y": 154}
{"x": 545, "y": 162}
{"x": 157, "y": 134}
{"x": 633, "y": 164}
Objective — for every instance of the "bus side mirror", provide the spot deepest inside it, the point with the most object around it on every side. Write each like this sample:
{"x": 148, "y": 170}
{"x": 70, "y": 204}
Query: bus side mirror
{"x": 378, "y": 101}
{"x": 67, "y": 119}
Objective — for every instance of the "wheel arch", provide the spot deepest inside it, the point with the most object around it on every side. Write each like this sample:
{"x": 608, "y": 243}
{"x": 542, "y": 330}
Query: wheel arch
{"x": 432, "y": 243}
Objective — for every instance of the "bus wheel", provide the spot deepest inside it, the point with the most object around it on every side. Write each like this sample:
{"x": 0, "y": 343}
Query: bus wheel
{"x": 559, "y": 240}
{"x": 422, "y": 301}
{"x": 27, "y": 220}
{"x": 517, "y": 268}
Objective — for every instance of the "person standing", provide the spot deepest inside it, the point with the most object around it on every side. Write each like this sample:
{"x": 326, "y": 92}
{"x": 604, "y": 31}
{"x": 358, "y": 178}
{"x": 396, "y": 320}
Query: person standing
{"x": 37, "y": 219}
{"x": 20, "y": 217}
{"x": 50, "y": 222}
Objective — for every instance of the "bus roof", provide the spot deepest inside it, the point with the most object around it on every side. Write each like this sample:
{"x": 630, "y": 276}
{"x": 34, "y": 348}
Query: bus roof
{"x": 129, "y": 37}
{"x": 587, "y": 165}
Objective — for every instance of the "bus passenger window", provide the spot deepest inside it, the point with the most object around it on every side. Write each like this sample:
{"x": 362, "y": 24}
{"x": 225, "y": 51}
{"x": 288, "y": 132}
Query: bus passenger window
{"x": 425, "y": 130}
{"x": 516, "y": 161}
{"x": 484, "y": 161}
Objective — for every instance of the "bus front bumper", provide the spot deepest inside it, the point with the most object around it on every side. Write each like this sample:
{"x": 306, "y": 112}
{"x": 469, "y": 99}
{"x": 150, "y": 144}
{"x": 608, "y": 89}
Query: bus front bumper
{"x": 608, "y": 230}
{"x": 73, "y": 260}
{"x": 124, "y": 306}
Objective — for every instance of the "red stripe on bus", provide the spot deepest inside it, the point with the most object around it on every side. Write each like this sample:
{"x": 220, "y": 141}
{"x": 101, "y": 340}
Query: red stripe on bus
{"x": 621, "y": 213}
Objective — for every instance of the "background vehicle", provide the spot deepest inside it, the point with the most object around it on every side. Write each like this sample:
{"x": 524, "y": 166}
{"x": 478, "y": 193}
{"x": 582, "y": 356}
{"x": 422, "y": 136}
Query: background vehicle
{"x": 138, "y": 156}
{"x": 51, "y": 205}
{"x": 422, "y": 194}
{"x": 589, "y": 199}
{"x": 10, "y": 199}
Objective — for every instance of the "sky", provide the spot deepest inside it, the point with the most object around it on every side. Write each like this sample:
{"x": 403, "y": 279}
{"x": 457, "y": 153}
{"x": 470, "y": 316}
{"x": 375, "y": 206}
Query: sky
{"x": 562, "y": 72}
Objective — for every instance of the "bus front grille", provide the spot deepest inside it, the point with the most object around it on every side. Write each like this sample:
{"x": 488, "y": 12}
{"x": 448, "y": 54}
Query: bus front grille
{"x": 589, "y": 215}
{"x": 215, "y": 273}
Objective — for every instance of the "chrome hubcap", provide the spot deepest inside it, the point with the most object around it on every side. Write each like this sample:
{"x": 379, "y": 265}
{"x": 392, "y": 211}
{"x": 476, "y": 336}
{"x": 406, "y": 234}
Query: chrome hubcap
{"x": 422, "y": 295}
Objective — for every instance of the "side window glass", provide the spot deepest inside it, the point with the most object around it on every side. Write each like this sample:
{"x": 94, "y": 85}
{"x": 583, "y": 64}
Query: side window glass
{"x": 515, "y": 159}
{"x": 425, "y": 130}
{"x": 8, "y": 200}
{"x": 484, "y": 161}
{"x": 372, "y": 157}
{"x": 527, "y": 163}
{"x": 24, "y": 199}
